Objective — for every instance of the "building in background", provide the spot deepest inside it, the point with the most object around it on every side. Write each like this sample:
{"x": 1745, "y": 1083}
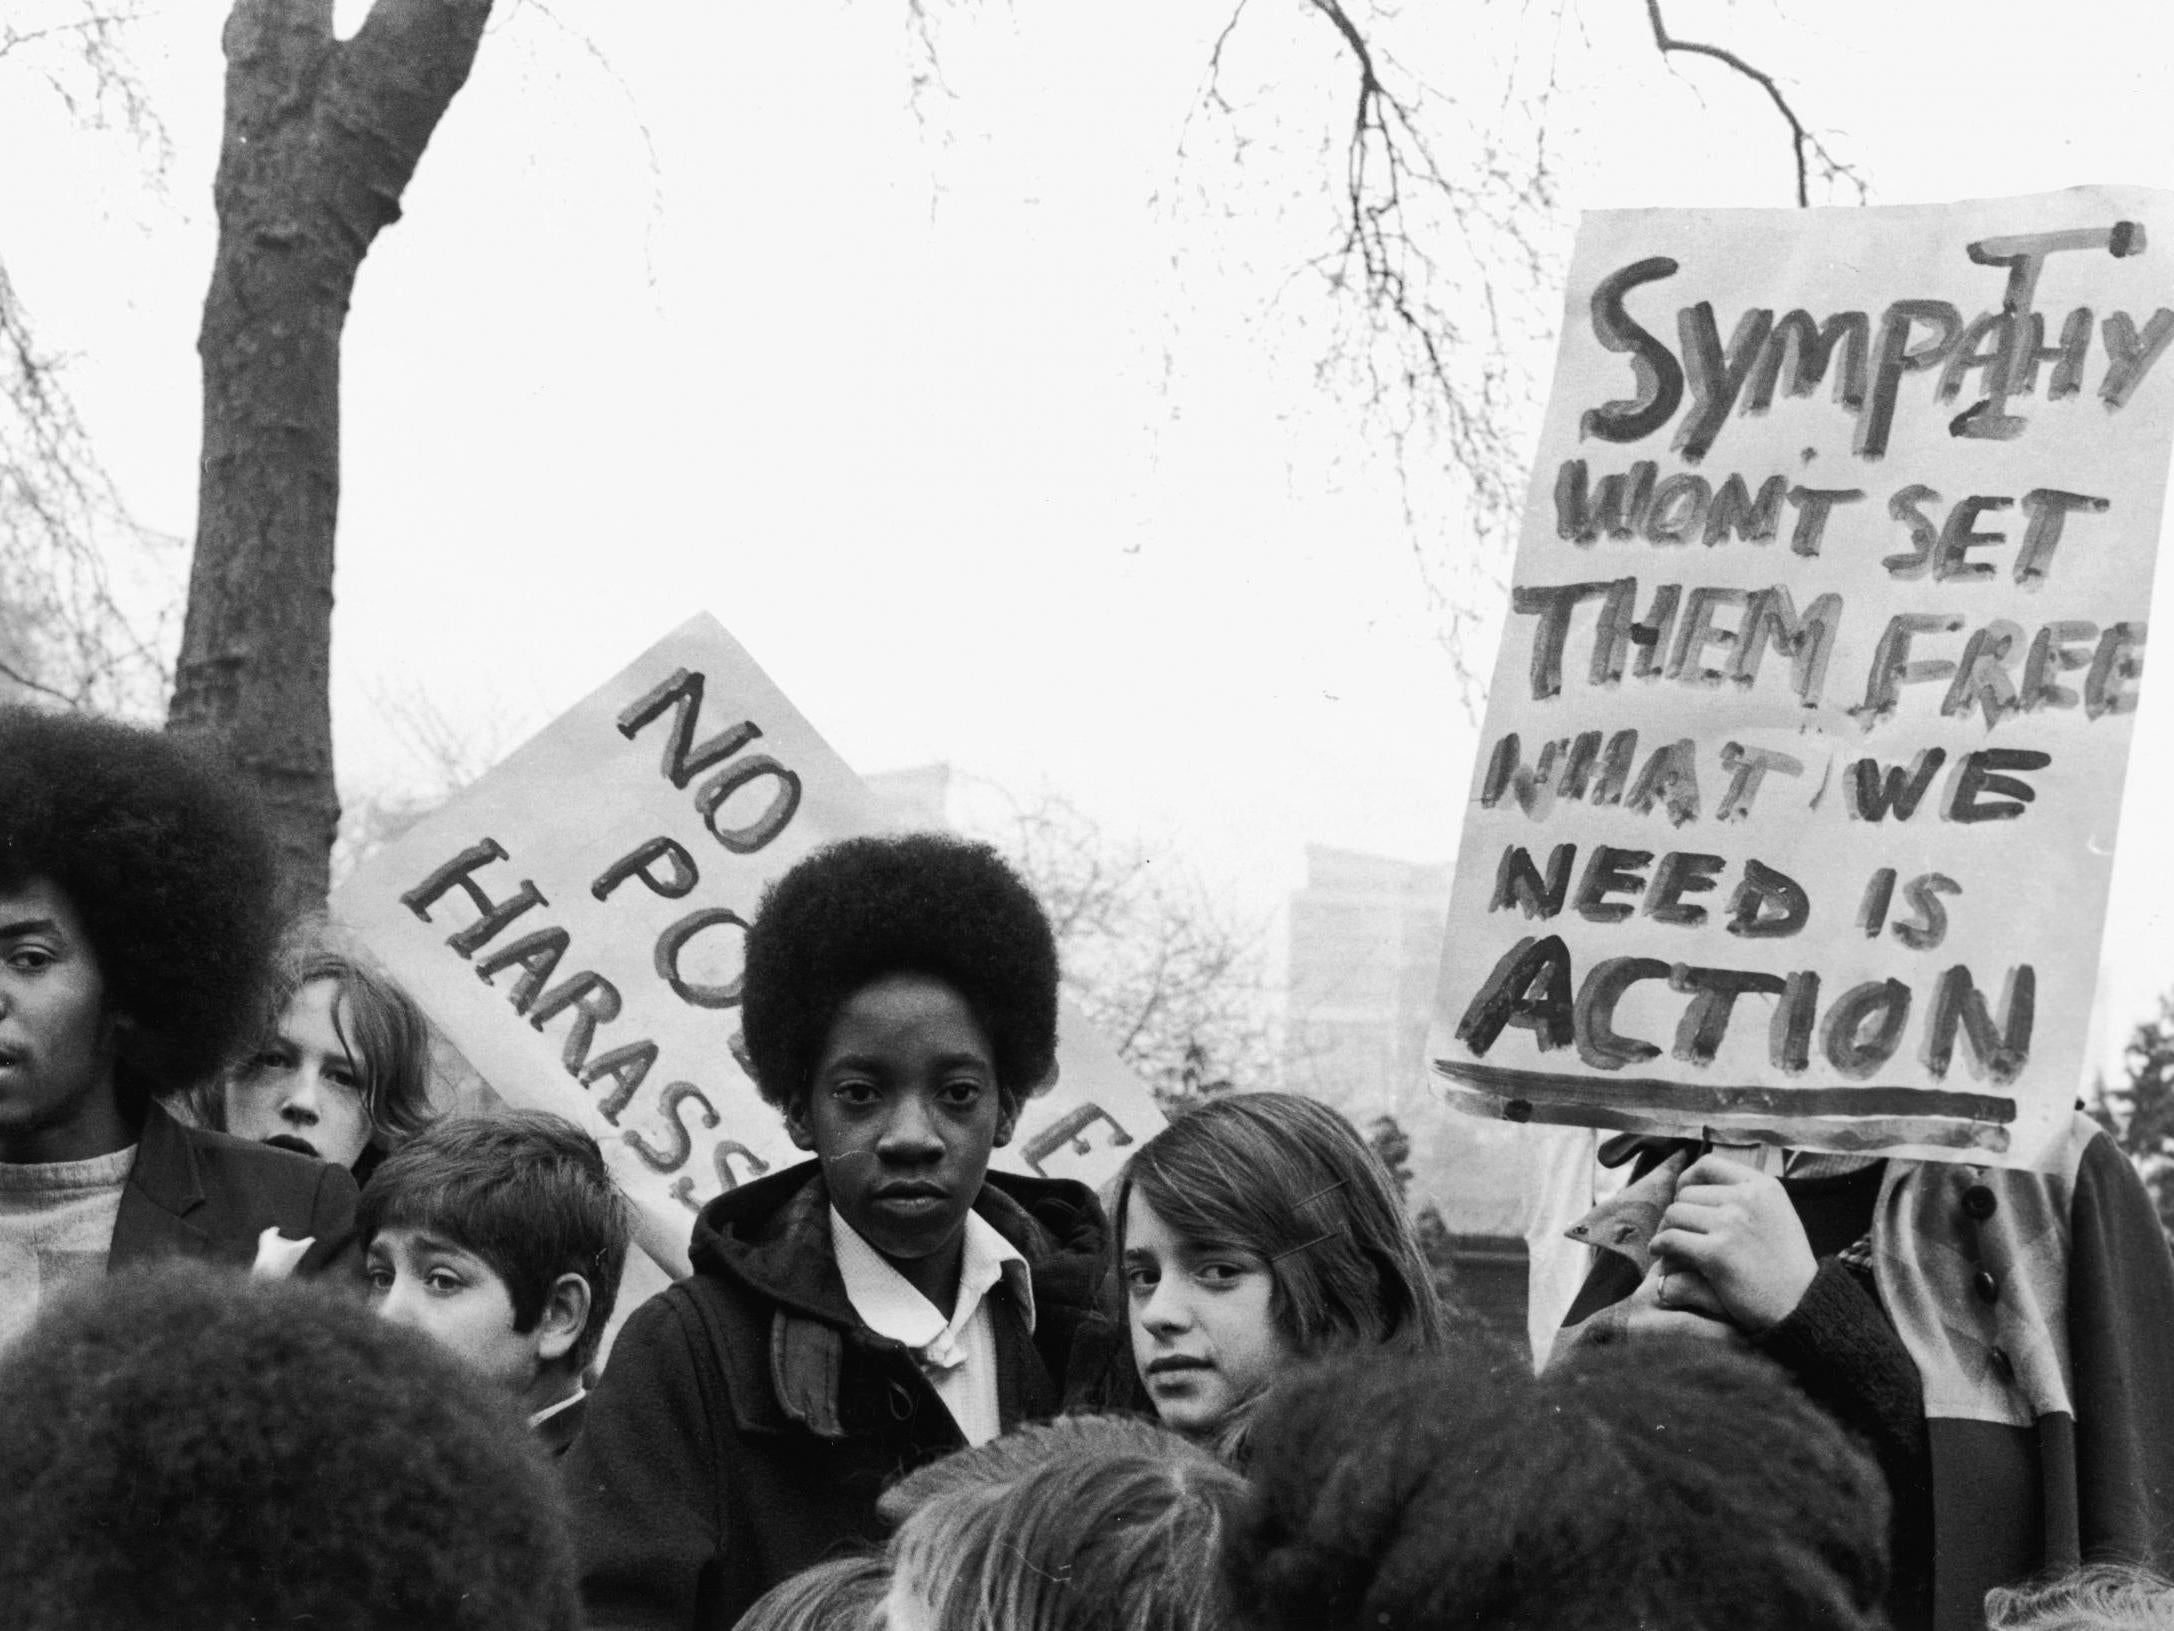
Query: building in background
{"x": 1366, "y": 939}
{"x": 1365, "y": 954}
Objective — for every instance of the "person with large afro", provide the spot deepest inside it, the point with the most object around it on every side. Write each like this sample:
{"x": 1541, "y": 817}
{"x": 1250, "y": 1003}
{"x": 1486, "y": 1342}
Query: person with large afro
{"x": 136, "y": 927}
{"x": 185, "y": 1446}
{"x": 1671, "y": 1483}
{"x": 877, "y": 1306}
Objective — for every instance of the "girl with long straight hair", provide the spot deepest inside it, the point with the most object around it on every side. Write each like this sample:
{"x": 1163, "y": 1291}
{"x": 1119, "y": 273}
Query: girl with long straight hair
{"x": 1253, "y": 1233}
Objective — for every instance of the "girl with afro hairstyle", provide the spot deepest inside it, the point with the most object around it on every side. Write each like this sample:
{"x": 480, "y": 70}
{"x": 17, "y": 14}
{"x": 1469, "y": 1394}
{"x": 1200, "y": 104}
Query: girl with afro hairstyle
{"x": 875, "y": 1307}
{"x": 1255, "y": 1232}
{"x": 136, "y": 923}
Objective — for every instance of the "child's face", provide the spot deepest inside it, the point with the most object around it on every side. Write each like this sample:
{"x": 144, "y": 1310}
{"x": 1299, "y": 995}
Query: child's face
{"x": 904, "y": 1110}
{"x": 1202, "y": 1335}
{"x": 423, "y": 1281}
{"x": 303, "y": 1087}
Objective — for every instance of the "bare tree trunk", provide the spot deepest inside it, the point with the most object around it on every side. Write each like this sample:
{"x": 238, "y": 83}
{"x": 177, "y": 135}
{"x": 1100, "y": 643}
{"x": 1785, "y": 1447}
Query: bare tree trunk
{"x": 320, "y": 139}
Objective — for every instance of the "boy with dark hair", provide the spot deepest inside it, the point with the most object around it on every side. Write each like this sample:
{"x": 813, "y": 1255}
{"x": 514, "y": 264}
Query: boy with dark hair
{"x": 860, "y": 1314}
{"x": 188, "y": 1447}
{"x": 136, "y": 927}
{"x": 502, "y": 1238}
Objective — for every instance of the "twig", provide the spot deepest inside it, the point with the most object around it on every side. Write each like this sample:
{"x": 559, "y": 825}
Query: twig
{"x": 1802, "y": 141}
{"x": 30, "y": 683}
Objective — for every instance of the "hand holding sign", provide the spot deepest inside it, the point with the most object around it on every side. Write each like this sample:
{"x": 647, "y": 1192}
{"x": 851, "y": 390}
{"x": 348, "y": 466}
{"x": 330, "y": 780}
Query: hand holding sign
{"x": 1734, "y": 1227}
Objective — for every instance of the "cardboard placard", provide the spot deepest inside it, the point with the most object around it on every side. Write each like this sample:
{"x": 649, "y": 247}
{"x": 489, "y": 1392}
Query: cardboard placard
{"x": 1795, "y": 808}
{"x": 572, "y": 922}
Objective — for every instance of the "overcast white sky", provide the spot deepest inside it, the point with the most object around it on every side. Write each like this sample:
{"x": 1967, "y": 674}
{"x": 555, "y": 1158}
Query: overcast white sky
{"x": 988, "y": 450}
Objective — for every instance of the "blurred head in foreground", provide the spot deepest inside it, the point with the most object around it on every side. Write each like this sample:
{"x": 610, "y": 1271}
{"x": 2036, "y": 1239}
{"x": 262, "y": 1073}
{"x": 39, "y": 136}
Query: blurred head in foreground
{"x": 1674, "y": 1487}
{"x": 2096, "y": 1597}
{"x": 844, "y": 1594}
{"x": 185, "y": 1447}
{"x": 1089, "y": 1523}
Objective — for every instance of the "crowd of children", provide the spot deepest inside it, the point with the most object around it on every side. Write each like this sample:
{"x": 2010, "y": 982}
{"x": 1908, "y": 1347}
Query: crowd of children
{"x": 901, "y": 1388}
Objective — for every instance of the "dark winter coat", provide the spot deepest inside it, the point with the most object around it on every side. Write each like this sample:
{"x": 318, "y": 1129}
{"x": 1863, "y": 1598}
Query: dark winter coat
{"x": 748, "y": 1420}
{"x": 203, "y": 1195}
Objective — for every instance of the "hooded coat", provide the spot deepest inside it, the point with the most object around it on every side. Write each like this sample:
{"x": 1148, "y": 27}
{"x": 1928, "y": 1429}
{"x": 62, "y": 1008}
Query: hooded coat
{"x": 748, "y": 1419}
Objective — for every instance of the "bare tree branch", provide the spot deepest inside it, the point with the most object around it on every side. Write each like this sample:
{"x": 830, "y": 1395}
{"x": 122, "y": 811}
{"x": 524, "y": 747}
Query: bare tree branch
{"x": 603, "y": 63}
{"x": 1439, "y": 267}
{"x": 444, "y": 756}
{"x": 928, "y": 67}
{"x": 64, "y": 533}
{"x": 64, "y": 632}
{"x": 1178, "y": 986}
{"x": 31, "y": 683}
{"x": 92, "y": 76}
{"x": 1434, "y": 273}
{"x": 1804, "y": 144}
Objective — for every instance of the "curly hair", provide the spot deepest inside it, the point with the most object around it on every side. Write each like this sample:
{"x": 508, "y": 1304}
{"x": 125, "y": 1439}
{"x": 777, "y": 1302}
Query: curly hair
{"x": 525, "y": 1190}
{"x": 165, "y": 859}
{"x": 1662, "y": 1482}
{"x": 921, "y": 903}
{"x": 181, "y": 1445}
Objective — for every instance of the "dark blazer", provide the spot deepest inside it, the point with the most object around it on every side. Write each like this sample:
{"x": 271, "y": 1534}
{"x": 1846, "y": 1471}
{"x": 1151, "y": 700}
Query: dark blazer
{"x": 203, "y": 1195}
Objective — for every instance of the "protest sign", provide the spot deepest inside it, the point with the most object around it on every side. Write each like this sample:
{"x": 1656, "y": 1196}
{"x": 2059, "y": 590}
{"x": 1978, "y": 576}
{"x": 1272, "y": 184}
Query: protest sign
{"x": 1795, "y": 806}
{"x": 573, "y": 924}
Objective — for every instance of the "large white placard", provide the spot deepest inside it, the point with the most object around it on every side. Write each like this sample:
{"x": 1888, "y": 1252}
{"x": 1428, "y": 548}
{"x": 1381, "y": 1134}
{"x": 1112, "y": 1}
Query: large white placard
{"x": 1795, "y": 809}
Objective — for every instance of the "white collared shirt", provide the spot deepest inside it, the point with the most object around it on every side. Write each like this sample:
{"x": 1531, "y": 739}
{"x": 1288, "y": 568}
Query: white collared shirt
{"x": 538, "y": 1417}
{"x": 957, "y": 1355}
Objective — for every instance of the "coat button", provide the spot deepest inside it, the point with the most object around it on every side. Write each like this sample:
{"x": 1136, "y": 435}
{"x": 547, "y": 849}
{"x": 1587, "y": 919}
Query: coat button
{"x": 1987, "y": 1288}
{"x": 2003, "y": 1364}
{"x": 1980, "y": 1202}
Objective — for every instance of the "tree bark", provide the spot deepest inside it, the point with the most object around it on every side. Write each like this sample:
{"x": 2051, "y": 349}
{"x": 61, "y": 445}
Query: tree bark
{"x": 320, "y": 139}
